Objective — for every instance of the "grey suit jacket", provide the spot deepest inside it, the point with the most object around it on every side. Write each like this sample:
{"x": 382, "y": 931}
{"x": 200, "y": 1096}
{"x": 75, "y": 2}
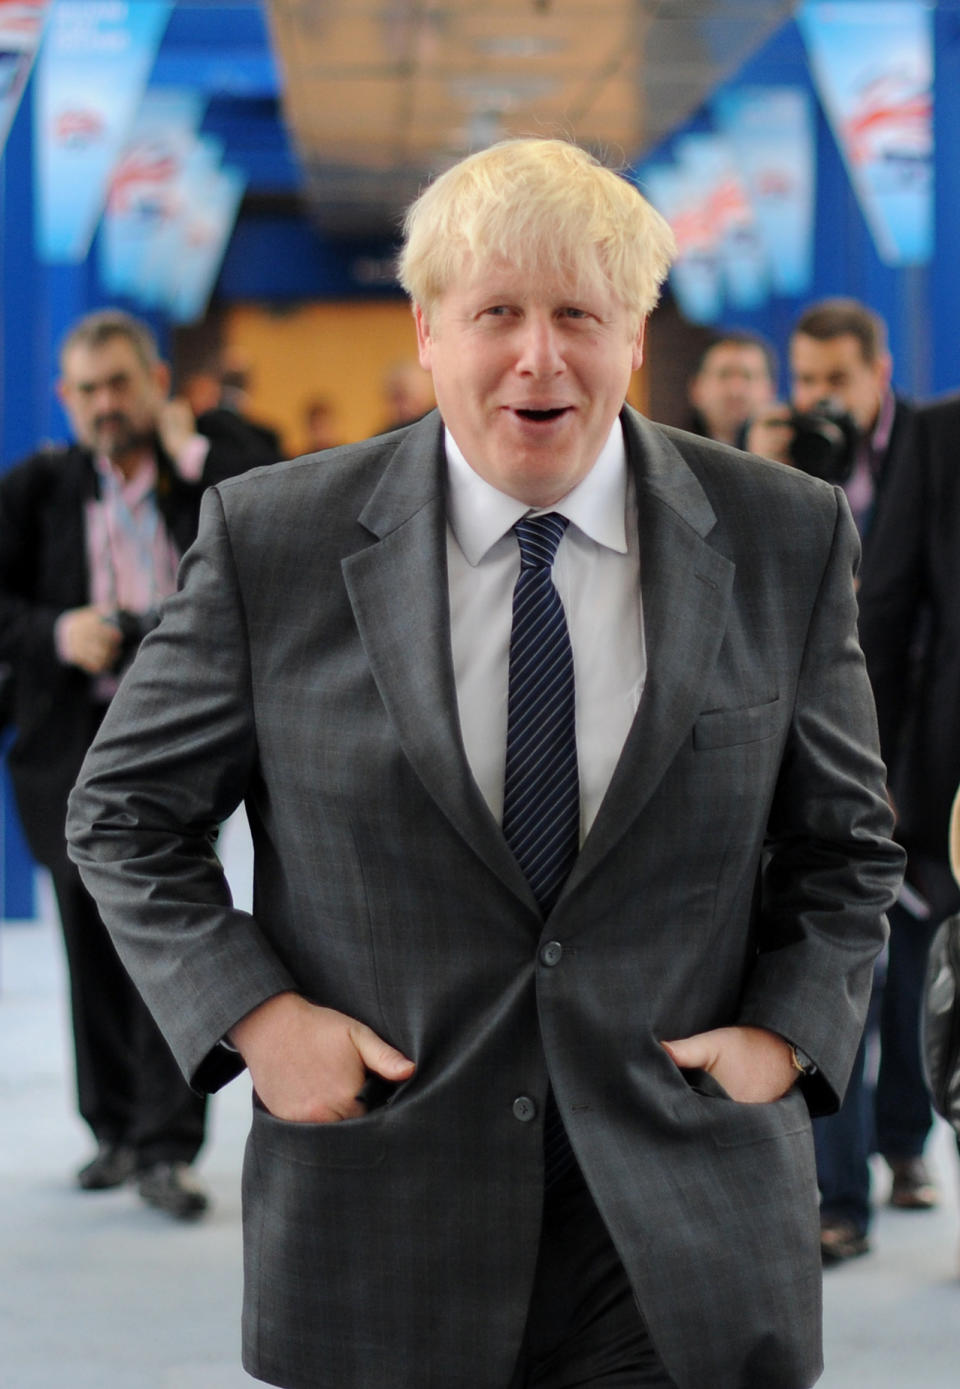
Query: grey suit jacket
{"x": 737, "y": 872}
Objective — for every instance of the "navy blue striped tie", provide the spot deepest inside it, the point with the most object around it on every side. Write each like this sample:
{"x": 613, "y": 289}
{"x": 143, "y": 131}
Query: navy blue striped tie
{"x": 541, "y": 795}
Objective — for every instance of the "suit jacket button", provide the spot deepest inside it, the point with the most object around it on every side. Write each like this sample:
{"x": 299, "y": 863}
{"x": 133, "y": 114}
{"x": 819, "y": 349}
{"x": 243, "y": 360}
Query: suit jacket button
{"x": 524, "y": 1109}
{"x": 551, "y": 953}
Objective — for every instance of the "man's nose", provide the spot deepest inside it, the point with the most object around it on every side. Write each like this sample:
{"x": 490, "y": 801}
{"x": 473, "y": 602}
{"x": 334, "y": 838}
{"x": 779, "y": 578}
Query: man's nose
{"x": 105, "y": 399}
{"x": 540, "y": 351}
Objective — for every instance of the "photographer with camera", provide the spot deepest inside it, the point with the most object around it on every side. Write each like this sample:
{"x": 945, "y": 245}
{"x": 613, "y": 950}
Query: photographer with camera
{"x": 90, "y": 538}
{"x": 845, "y": 424}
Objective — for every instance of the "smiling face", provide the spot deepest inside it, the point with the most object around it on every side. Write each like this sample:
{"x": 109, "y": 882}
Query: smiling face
{"x": 529, "y": 374}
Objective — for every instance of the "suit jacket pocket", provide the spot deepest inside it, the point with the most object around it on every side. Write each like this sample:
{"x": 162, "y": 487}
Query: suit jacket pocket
{"x": 351, "y": 1144}
{"x": 732, "y": 1124}
{"x": 718, "y": 728}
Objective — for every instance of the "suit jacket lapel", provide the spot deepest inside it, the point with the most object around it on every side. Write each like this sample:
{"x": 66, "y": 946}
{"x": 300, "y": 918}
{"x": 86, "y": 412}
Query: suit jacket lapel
{"x": 398, "y": 591}
{"x": 397, "y": 587}
{"x": 686, "y": 586}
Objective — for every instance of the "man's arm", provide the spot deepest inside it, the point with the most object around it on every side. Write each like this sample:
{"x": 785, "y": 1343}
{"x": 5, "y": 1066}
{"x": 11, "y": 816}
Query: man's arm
{"x": 169, "y": 765}
{"x": 831, "y": 871}
{"x": 173, "y": 759}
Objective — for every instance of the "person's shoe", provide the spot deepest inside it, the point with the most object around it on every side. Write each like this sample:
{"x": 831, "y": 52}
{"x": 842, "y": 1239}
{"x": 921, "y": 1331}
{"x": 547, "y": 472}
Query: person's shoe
{"x": 112, "y": 1166}
{"x": 913, "y": 1188}
{"x": 172, "y": 1188}
{"x": 840, "y": 1241}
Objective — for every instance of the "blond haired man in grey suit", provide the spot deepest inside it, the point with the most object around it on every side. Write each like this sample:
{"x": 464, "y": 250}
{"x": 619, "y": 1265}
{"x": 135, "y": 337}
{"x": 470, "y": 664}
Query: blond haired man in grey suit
{"x": 505, "y": 1132}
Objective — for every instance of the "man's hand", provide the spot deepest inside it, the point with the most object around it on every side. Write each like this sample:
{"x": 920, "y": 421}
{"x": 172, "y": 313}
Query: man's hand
{"x": 771, "y": 434}
{"x": 87, "y": 638}
{"x": 308, "y": 1063}
{"x": 753, "y": 1066}
{"x": 176, "y": 425}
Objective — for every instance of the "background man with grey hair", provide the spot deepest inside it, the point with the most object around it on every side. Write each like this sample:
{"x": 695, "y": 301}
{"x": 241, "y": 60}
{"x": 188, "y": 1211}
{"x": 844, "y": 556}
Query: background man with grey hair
{"x": 90, "y": 537}
{"x": 571, "y": 848}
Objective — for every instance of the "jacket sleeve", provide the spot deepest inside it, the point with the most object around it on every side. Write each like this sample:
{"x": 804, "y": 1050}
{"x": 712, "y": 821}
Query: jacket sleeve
{"x": 170, "y": 763}
{"x": 831, "y": 869}
{"x": 894, "y": 590}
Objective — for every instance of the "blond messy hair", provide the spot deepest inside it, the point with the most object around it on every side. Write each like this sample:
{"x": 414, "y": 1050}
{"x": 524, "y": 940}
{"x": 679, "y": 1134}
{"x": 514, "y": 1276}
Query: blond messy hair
{"x": 532, "y": 202}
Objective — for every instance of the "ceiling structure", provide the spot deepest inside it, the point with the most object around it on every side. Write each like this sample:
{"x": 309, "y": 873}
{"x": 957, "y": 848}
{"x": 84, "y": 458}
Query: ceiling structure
{"x": 379, "y": 95}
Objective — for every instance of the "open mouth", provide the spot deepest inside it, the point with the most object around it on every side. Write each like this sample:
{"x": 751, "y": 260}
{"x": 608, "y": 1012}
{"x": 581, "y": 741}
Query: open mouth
{"x": 539, "y": 416}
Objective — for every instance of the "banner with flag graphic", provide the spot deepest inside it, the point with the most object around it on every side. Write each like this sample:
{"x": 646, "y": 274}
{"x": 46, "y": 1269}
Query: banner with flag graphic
{"x": 771, "y": 133}
{"x": 695, "y": 276}
{"x": 91, "y": 74}
{"x": 145, "y": 187}
{"x": 873, "y": 68}
{"x": 205, "y": 236}
{"x": 21, "y": 29}
{"x": 727, "y": 209}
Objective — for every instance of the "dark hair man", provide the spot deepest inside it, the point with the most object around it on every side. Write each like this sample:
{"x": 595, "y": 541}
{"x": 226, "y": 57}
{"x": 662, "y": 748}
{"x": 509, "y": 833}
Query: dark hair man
{"x": 571, "y": 847}
{"x": 90, "y": 538}
{"x": 735, "y": 380}
{"x": 839, "y": 353}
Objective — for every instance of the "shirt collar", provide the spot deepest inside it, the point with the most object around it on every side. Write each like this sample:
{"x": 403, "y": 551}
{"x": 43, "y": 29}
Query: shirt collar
{"x": 133, "y": 489}
{"x": 480, "y": 514}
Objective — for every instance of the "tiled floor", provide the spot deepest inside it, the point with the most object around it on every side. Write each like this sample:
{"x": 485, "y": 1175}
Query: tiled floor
{"x": 97, "y": 1292}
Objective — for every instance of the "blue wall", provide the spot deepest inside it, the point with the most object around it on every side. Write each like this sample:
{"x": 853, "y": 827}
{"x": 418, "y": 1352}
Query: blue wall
{"x": 921, "y": 305}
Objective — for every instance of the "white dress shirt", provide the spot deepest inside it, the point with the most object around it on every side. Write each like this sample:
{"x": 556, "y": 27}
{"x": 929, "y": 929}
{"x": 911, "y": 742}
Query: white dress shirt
{"x": 597, "y": 574}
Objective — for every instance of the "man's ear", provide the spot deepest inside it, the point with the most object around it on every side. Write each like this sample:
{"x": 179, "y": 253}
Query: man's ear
{"x": 638, "y": 346}
{"x": 424, "y": 339}
{"x": 160, "y": 375}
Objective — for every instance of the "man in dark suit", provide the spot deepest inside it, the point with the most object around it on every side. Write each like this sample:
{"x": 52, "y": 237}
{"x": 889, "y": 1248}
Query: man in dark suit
{"x": 910, "y": 629}
{"x": 571, "y": 847}
{"x": 90, "y": 536}
{"x": 839, "y": 354}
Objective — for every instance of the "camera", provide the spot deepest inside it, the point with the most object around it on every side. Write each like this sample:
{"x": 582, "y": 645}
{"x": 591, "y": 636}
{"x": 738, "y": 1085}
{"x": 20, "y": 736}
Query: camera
{"x": 824, "y": 441}
{"x": 133, "y": 628}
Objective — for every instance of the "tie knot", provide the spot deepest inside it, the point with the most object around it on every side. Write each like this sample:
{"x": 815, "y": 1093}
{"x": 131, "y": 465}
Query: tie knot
{"x": 539, "y": 537}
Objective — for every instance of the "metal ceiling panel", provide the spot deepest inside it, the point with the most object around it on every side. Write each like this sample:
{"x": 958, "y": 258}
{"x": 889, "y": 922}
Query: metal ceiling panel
{"x": 382, "y": 94}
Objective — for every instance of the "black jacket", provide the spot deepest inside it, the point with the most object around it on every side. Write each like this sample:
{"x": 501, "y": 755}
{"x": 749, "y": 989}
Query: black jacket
{"x": 910, "y": 632}
{"x": 43, "y": 573}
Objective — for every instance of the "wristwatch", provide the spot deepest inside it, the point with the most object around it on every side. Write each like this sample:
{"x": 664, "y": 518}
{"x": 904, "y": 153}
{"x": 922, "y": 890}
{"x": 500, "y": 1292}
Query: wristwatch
{"x": 802, "y": 1062}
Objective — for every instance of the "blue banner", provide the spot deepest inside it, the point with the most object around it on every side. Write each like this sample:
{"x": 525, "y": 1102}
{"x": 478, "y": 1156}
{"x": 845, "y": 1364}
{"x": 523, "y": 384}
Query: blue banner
{"x": 873, "y": 67}
{"x": 770, "y": 131}
{"x": 206, "y": 232}
{"x": 91, "y": 74}
{"x": 726, "y": 208}
{"x": 695, "y": 276}
{"x": 161, "y": 264}
{"x": 21, "y": 27}
{"x": 145, "y": 194}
